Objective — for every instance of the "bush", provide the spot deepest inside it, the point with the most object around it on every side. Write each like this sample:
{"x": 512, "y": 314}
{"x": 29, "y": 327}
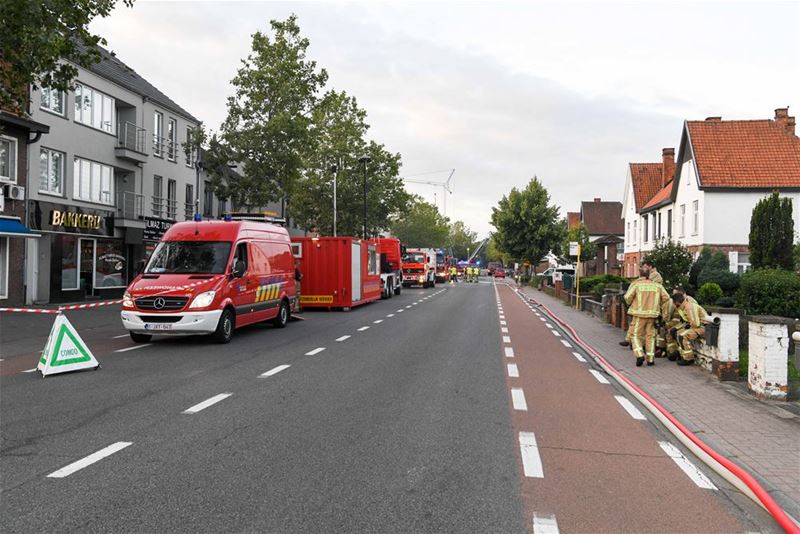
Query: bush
{"x": 709, "y": 293}
{"x": 726, "y": 302}
{"x": 726, "y": 280}
{"x": 770, "y": 292}
{"x": 590, "y": 283}
{"x": 673, "y": 261}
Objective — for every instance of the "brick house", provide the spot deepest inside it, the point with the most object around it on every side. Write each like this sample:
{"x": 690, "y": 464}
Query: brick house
{"x": 603, "y": 220}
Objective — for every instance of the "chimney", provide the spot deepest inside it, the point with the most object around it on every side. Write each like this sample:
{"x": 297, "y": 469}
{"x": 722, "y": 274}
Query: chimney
{"x": 597, "y": 199}
{"x": 713, "y": 119}
{"x": 667, "y": 166}
{"x": 783, "y": 120}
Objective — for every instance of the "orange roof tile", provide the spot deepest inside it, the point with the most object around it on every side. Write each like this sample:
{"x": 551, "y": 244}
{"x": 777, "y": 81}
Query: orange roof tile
{"x": 662, "y": 196}
{"x": 646, "y": 178}
{"x": 746, "y": 154}
{"x": 573, "y": 219}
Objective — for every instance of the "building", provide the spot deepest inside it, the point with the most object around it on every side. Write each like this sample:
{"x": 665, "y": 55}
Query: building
{"x": 112, "y": 177}
{"x": 603, "y": 221}
{"x": 17, "y": 131}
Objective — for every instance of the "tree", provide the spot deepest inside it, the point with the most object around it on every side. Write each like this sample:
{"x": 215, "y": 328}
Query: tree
{"x": 581, "y": 235}
{"x": 268, "y": 127}
{"x": 42, "y": 41}
{"x": 772, "y": 233}
{"x": 461, "y": 240}
{"x": 421, "y": 226}
{"x": 495, "y": 254}
{"x": 672, "y": 260}
{"x": 528, "y": 227}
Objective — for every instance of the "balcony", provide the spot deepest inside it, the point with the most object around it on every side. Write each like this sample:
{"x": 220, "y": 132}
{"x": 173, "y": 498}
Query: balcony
{"x": 165, "y": 207}
{"x": 130, "y": 210}
{"x": 131, "y": 143}
{"x": 163, "y": 147}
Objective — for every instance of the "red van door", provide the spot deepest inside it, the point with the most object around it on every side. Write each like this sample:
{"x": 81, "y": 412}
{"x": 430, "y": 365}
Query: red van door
{"x": 242, "y": 289}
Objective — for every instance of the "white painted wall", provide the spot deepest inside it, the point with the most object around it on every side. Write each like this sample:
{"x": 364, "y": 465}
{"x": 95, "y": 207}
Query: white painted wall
{"x": 727, "y": 214}
{"x": 688, "y": 193}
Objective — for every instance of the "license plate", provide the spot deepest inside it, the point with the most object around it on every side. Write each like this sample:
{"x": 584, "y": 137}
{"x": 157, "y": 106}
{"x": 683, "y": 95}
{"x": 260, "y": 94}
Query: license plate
{"x": 157, "y": 326}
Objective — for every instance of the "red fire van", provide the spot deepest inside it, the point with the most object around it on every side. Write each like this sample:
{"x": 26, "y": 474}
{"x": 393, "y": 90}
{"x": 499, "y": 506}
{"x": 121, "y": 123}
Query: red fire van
{"x": 338, "y": 272}
{"x": 211, "y": 277}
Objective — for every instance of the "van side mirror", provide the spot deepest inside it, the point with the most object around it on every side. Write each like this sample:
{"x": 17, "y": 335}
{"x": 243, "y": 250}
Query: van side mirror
{"x": 238, "y": 269}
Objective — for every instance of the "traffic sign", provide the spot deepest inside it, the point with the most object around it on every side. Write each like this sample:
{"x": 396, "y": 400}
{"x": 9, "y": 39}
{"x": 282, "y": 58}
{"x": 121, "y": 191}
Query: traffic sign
{"x": 65, "y": 351}
{"x": 573, "y": 248}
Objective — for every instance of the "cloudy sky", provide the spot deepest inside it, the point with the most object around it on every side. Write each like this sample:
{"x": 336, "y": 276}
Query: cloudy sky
{"x": 500, "y": 91}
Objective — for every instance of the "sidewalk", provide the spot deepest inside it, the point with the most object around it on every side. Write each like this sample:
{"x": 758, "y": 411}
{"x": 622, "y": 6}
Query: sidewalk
{"x": 762, "y": 437}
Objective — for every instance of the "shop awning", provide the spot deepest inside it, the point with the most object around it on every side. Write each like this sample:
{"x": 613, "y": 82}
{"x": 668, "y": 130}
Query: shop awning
{"x": 14, "y": 228}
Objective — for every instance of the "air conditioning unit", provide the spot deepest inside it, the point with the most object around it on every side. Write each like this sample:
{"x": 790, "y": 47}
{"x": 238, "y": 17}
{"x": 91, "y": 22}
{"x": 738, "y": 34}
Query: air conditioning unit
{"x": 15, "y": 192}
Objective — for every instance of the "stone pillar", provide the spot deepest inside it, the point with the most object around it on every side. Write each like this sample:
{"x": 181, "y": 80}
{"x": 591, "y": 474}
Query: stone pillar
{"x": 767, "y": 373}
{"x": 722, "y": 360}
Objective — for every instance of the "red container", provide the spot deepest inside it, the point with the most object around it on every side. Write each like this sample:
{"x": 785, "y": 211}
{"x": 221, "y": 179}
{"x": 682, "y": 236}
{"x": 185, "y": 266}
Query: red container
{"x": 338, "y": 272}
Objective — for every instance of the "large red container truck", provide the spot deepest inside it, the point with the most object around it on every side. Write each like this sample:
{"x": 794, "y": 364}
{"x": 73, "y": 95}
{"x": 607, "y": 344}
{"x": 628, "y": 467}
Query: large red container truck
{"x": 337, "y": 272}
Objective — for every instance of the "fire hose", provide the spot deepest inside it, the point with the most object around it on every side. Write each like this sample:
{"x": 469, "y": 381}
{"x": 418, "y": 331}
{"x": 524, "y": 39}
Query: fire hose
{"x": 727, "y": 469}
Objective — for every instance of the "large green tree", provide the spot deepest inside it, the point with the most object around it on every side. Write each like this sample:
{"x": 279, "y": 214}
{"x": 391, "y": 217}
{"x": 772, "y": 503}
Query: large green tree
{"x": 461, "y": 241}
{"x": 673, "y": 261}
{"x": 41, "y": 42}
{"x": 772, "y": 234}
{"x": 579, "y": 234}
{"x": 269, "y": 122}
{"x": 528, "y": 226}
{"x": 421, "y": 226}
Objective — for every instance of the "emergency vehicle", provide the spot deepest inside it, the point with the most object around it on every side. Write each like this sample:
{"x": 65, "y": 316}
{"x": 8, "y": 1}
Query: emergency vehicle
{"x": 337, "y": 272}
{"x": 442, "y": 267}
{"x": 391, "y": 266}
{"x": 211, "y": 277}
{"x": 419, "y": 267}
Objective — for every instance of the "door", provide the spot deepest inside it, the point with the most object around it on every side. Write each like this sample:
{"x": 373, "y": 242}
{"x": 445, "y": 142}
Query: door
{"x": 86, "y": 272}
{"x": 241, "y": 290}
{"x": 356, "y": 271}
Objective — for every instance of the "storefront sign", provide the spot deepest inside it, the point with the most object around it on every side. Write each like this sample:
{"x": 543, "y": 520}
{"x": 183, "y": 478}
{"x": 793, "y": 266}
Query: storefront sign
{"x": 70, "y": 219}
{"x": 154, "y": 228}
{"x": 74, "y": 219}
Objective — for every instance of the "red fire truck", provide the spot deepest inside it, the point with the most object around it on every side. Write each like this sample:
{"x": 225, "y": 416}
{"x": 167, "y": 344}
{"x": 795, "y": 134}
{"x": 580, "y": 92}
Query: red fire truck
{"x": 391, "y": 271}
{"x": 419, "y": 267}
{"x": 337, "y": 272}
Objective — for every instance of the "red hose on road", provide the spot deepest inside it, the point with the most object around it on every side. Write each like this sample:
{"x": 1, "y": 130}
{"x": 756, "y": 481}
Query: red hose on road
{"x": 766, "y": 500}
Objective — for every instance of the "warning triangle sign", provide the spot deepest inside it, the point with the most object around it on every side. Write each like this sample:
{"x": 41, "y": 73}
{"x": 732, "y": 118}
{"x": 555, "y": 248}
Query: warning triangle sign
{"x": 65, "y": 350}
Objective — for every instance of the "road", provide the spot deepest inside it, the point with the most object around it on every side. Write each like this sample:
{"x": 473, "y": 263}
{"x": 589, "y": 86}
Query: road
{"x": 453, "y": 409}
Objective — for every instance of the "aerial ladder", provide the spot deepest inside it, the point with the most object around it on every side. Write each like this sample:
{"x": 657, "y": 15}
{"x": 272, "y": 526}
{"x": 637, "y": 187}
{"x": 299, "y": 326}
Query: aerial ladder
{"x": 477, "y": 250}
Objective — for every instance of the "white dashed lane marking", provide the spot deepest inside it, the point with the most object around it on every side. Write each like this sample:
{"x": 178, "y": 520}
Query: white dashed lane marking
{"x": 506, "y": 339}
{"x": 544, "y": 524}
{"x": 363, "y": 328}
{"x": 579, "y": 357}
{"x": 503, "y": 323}
{"x": 390, "y": 315}
{"x": 143, "y": 345}
{"x": 632, "y": 410}
{"x": 342, "y": 338}
{"x": 503, "y": 330}
{"x": 315, "y": 351}
{"x": 509, "y": 352}
{"x": 686, "y": 466}
{"x": 274, "y": 371}
{"x": 120, "y": 336}
{"x": 529, "y": 451}
{"x": 548, "y": 325}
{"x": 89, "y": 460}
{"x": 513, "y": 371}
{"x": 518, "y": 399}
{"x": 599, "y": 376}
{"x": 566, "y": 343}
{"x": 400, "y": 310}
{"x": 555, "y": 333}
{"x": 377, "y": 321}
{"x": 206, "y": 403}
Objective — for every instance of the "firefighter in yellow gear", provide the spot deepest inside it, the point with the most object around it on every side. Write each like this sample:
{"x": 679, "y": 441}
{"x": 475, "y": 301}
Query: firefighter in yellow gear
{"x": 693, "y": 326}
{"x": 472, "y": 274}
{"x": 666, "y": 341}
{"x": 453, "y": 275}
{"x": 646, "y": 300}
{"x": 654, "y": 276}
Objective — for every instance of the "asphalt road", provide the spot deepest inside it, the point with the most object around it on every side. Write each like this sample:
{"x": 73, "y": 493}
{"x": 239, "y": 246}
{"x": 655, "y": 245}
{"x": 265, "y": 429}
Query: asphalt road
{"x": 409, "y": 425}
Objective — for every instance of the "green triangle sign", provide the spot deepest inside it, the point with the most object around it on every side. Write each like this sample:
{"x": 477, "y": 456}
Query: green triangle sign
{"x": 65, "y": 350}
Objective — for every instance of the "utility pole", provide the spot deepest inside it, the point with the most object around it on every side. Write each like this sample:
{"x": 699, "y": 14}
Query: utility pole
{"x": 365, "y": 159}
{"x": 335, "y": 171}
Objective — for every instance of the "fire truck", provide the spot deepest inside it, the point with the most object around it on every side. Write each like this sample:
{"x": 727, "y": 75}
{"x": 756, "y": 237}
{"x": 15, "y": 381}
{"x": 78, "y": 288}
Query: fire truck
{"x": 419, "y": 267}
{"x": 391, "y": 266}
{"x": 443, "y": 263}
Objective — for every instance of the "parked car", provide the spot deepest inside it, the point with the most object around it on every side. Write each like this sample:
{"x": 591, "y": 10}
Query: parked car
{"x": 499, "y": 273}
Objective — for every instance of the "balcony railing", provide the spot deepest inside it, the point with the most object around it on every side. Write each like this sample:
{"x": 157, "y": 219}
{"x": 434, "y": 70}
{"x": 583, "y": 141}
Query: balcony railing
{"x": 162, "y": 146}
{"x": 188, "y": 210}
{"x": 130, "y": 205}
{"x": 165, "y": 207}
{"x": 132, "y": 137}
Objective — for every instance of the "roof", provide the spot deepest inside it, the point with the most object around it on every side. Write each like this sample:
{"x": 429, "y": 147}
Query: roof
{"x": 662, "y": 197}
{"x": 112, "y": 69}
{"x": 573, "y": 219}
{"x": 646, "y": 180}
{"x": 603, "y": 218}
{"x": 744, "y": 154}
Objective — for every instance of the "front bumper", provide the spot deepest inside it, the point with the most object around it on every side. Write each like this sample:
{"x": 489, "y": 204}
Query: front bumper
{"x": 199, "y": 322}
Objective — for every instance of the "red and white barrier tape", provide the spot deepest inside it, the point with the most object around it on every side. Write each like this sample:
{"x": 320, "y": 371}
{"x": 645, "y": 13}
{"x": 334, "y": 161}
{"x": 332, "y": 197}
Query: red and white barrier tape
{"x": 63, "y": 308}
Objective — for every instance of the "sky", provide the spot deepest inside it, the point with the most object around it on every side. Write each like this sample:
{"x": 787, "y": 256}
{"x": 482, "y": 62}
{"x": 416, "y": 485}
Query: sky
{"x": 500, "y": 91}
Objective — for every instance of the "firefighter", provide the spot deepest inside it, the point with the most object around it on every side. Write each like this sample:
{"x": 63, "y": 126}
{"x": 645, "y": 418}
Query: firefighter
{"x": 652, "y": 273}
{"x": 667, "y": 341}
{"x": 692, "y": 315}
{"x": 646, "y": 302}
{"x": 453, "y": 275}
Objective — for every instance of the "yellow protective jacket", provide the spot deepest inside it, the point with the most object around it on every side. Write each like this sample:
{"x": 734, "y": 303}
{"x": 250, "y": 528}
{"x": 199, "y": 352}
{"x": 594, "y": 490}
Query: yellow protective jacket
{"x": 655, "y": 276}
{"x": 646, "y": 298}
{"x": 692, "y": 313}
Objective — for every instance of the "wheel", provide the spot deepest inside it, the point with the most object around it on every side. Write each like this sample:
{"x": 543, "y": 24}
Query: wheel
{"x": 282, "y": 319}
{"x": 398, "y": 289}
{"x": 224, "y": 331}
{"x": 140, "y": 338}
{"x": 389, "y": 285}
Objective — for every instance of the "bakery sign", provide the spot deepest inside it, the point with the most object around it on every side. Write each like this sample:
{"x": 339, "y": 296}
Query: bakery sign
{"x": 73, "y": 219}
{"x": 70, "y": 219}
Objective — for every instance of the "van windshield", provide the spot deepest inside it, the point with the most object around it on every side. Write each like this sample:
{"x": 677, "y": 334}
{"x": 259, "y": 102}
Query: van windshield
{"x": 414, "y": 258}
{"x": 189, "y": 257}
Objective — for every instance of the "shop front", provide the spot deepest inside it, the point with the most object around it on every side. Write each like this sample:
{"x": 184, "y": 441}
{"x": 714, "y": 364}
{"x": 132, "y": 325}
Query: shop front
{"x": 141, "y": 242}
{"x": 78, "y": 256}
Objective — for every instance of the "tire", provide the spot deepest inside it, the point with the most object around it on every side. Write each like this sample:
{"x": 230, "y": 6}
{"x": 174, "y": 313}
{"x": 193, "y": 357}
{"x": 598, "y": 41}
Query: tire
{"x": 140, "y": 338}
{"x": 282, "y": 319}
{"x": 224, "y": 332}
{"x": 398, "y": 289}
{"x": 389, "y": 285}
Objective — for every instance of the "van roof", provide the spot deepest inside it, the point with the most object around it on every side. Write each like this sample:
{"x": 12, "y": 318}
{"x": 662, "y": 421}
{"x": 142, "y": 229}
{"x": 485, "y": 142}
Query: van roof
{"x": 224, "y": 231}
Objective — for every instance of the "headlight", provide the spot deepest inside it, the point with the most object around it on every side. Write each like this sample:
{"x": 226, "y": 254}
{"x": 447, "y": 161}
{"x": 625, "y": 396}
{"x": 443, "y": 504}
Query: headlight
{"x": 127, "y": 300}
{"x": 421, "y": 278}
{"x": 203, "y": 299}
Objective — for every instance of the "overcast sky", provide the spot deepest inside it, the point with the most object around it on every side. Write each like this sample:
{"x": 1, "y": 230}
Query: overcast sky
{"x": 500, "y": 91}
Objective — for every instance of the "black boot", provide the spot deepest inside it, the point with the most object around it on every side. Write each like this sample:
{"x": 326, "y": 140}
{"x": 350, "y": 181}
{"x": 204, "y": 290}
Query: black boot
{"x": 673, "y": 356}
{"x": 650, "y": 362}
{"x": 625, "y": 343}
{"x": 683, "y": 362}
{"x": 639, "y": 362}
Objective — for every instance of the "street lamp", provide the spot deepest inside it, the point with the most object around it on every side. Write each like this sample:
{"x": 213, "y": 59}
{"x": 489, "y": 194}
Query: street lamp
{"x": 334, "y": 171}
{"x": 365, "y": 159}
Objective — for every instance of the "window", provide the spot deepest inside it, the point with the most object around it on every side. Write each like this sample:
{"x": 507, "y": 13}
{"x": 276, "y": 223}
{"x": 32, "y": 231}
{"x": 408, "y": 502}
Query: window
{"x": 172, "y": 136}
{"x": 669, "y": 223}
{"x": 654, "y": 227}
{"x": 372, "y": 259}
{"x": 93, "y": 181}
{"x": 297, "y": 250}
{"x": 94, "y": 109}
{"x": 223, "y": 206}
{"x": 158, "y": 132}
{"x": 683, "y": 221}
{"x": 158, "y": 195}
{"x": 240, "y": 255}
{"x": 189, "y": 153}
{"x": 189, "y": 205}
{"x": 109, "y": 264}
{"x": 69, "y": 262}
{"x": 51, "y": 171}
{"x": 172, "y": 203}
{"x": 660, "y": 235}
{"x": 645, "y": 227}
{"x": 208, "y": 199}
{"x": 8, "y": 159}
{"x": 3, "y": 267}
{"x": 743, "y": 262}
{"x": 695, "y": 216}
{"x": 52, "y": 100}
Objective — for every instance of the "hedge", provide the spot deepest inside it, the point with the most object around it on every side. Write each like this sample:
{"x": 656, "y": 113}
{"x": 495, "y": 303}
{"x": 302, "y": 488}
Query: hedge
{"x": 709, "y": 293}
{"x": 770, "y": 292}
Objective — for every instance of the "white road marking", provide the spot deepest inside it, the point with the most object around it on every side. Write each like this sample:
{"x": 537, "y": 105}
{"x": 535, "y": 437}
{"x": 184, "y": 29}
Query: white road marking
{"x": 407, "y": 307}
{"x": 502, "y": 317}
{"x": 509, "y": 352}
{"x": 274, "y": 371}
{"x": 513, "y": 371}
{"x": 579, "y": 357}
{"x": 542, "y": 319}
{"x": 686, "y": 466}
{"x": 377, "y": 321}
{"x": 389, "y": 315}
{"x": 518, "y": 399}
{"x": 566, "y": 343}
{"x": 504, "y": 330}
{"x": 315, "y": 351}
{"x": 123, "y": 335}
{"x": 503, "y": 323}
{"x": 400, "y": 310}
{"x": 529, "y": 451}
{"x": 632, "y": 410}
{"x": 506, "y": 339}
{"x": 342, "y": 338}
{"x": 363, "y": 328}
{"x": 89, "y": 460}
{"x": 143, "y": 345}
{"x": 29, "y": 370}
{"x": 206, "y": 403}
{"x": 599, "y": 376}
{"x": 548, "y": 325}
{"x": 555, "y": 333}
{"x": 544, "y": 524}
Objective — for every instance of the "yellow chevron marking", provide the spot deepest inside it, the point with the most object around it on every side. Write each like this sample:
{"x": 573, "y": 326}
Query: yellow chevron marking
{"x": 258, "y": 293}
